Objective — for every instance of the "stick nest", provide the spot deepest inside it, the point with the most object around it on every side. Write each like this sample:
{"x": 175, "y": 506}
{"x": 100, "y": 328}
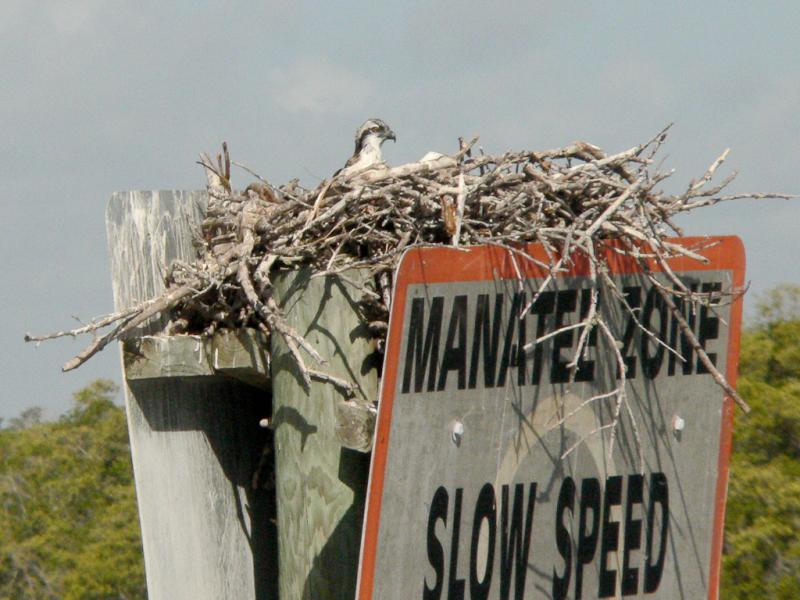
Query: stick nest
{"x": 570, "y": 199}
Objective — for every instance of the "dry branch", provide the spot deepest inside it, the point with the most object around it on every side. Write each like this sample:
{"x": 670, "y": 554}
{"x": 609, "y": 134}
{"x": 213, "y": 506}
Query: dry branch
{"x": 571, "y": 200}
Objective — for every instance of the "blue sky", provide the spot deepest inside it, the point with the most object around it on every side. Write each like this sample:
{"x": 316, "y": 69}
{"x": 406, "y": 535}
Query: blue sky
{"x": 98, "y": 96}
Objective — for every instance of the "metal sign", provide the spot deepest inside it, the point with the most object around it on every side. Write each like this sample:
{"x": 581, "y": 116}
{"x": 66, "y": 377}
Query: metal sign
{"x": 491, "y": 474}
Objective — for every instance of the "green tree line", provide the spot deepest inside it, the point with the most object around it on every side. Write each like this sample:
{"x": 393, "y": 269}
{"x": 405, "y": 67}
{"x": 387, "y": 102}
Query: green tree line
{"x": 69, "y": 527}
{"x": 762, "y": 526}
{"x": 68, "y": 524}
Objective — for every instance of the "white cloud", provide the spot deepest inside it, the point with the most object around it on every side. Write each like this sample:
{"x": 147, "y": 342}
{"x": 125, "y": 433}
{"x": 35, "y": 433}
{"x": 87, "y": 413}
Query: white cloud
{"x": 64, "y": 16}
{"x": 73, "y": 16}
{"x": 318, "y": 86}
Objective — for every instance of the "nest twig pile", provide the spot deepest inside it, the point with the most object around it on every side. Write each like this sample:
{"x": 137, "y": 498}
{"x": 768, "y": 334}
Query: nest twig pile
{"x": 569, "y": 199}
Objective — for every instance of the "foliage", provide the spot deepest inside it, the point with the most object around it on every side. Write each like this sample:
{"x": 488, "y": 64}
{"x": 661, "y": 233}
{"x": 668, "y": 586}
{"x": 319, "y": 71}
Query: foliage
{"x": 68, "y": 525}
{"x": 762, "y": 542}
{"x": 781, "y": 303}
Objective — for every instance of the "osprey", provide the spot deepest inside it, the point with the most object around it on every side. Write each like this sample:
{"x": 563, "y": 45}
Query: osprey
{"x": 369, "y": 138}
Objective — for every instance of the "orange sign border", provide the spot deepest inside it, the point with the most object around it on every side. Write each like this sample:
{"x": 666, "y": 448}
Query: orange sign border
{"x": 443, "y": 264}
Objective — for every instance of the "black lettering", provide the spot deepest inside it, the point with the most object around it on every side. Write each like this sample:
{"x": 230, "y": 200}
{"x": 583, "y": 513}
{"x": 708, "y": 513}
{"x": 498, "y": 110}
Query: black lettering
{"x": 454, "y": 357}
{"x": 514, "y": 354}
{"x": 485, "y": 510}
{"x": 566, "y": 302}
{"x": 633, "y": 296}
{"x": 633, "y": 536}
{"x": 455, "y": 586}
{"x": 709, "y": 326}
{"x": 486, "y": 338}
{"x": 585, "y": 368}
{"x": 515, "y": 541}
{"x": 651, "y": 364}
{"x": 610, "y": 537}
{"x": 544, "y": 305}
{"x": 587, "y": 538}
{"x": 685, "y": 349}
{"x": 438, "y": 512}
{"x": 566, "y": 500}
{"x": 659, "y": 494}
{"x": 419, "y": 353}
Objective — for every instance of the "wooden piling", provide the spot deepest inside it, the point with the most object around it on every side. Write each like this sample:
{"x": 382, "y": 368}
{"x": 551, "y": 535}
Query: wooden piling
{"x": 321, "y": 484}
{"x": 194, "y": 431}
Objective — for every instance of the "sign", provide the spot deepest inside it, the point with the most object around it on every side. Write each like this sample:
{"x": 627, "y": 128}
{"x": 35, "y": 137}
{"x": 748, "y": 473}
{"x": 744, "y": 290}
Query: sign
{"x": 491, "y": 474}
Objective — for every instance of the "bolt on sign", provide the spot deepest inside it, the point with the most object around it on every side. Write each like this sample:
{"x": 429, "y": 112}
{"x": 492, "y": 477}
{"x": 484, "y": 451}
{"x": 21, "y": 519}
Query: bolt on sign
{"x": 496, "y": 477}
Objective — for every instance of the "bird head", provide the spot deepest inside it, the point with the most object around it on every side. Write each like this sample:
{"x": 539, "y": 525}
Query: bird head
{"x": 373, "y": 130}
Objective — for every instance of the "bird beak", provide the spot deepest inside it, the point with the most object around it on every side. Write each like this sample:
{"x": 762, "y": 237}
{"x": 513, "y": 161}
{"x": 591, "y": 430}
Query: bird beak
{"x": 390, "y": 136}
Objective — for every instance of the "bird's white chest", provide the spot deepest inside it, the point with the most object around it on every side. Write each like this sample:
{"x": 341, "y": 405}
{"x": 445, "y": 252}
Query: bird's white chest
{"x": 368, "y": 156}
{"x": 370, "y": 153}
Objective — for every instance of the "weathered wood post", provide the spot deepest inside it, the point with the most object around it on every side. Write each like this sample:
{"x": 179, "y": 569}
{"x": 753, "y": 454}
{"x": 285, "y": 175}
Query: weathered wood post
{"x": 194, "y": 433}
{"x": 194, "y": 407}
{"x": 320, "y": 436}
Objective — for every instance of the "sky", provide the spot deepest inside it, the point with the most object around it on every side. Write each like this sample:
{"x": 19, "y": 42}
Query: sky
{"x": 98, "y": 96}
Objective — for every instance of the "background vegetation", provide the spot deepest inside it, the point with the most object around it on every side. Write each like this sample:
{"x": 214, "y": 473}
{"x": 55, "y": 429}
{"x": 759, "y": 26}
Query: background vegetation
{"x": 762, "y": 526}
{"x": 69, "y": 527}
{"x": 68, "y": 522}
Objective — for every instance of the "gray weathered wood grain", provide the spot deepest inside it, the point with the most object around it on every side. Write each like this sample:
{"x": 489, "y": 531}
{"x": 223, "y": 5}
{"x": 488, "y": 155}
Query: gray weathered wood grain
{"x": 146, "y": 231}
{"x": 321, "y": 486}
{"x": 238, "y": 354}
{"x": 195, "y": 440}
